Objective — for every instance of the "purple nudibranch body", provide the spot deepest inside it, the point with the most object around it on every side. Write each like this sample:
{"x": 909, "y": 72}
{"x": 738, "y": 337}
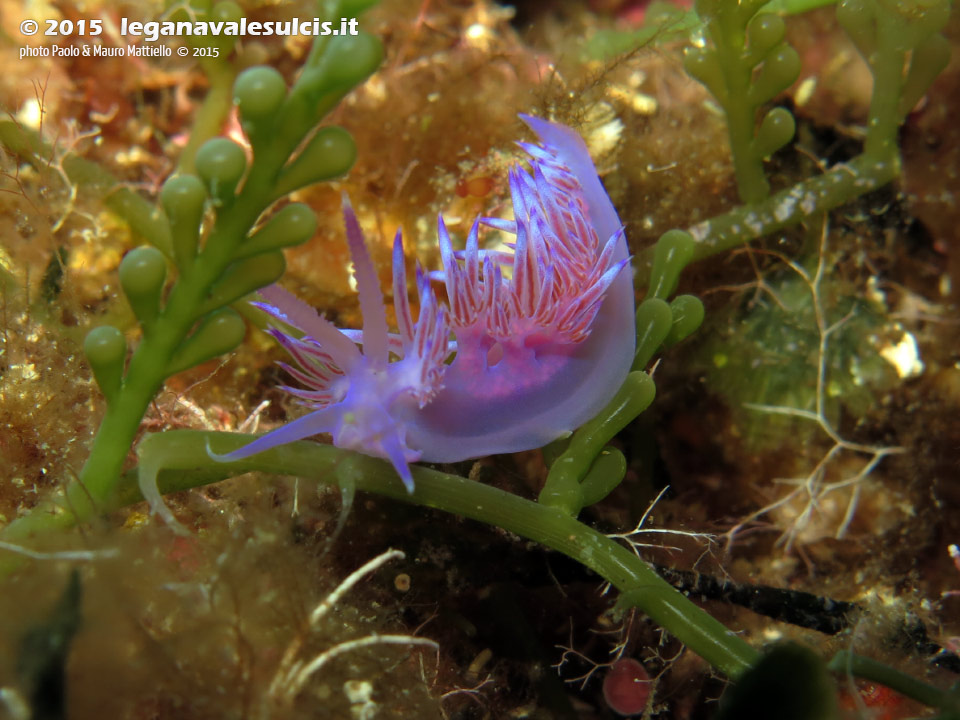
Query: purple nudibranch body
{"x": 512, "y": 360}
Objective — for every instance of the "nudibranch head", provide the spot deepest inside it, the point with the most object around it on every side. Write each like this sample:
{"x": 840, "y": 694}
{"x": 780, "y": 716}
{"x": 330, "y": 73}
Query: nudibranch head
{"x": 360, "y": 398}
{"x": 530, "y": 345}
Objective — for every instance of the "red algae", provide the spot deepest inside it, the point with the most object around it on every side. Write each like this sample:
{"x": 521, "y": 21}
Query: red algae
{"x": 626, "y": 687}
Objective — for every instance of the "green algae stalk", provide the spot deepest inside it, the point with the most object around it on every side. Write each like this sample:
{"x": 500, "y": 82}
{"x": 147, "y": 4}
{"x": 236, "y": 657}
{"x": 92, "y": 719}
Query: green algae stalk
{"x": 182, "y": 461}
{"x": 192, "y": 325}
{"x": 562, "y": 489}
{"x": 745, "y": 65}
{"x": 905, "y": 52}
{"x": 654, "y": 320}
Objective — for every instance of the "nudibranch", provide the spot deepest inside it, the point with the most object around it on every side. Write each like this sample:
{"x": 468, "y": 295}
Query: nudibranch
{"x": 530, "y": 343}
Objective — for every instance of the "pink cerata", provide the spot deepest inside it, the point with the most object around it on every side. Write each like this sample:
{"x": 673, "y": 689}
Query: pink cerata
{"x": 529, "y": 345}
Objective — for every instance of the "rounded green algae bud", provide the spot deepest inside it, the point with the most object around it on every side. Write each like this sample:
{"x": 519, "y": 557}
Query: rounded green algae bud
{"x": 764, "y": 32}
{"x": 184, "y": 198}
{"x": 293, "y": 225}
{"x": 142, "y": 274}
{"x": 688, "y": 313}
{"x": 671, "y": 255}
{"x": 702, "y": 64}
{"x": 142, "y": 271}
{"x": 183, "y": 195}
{"x": 779, "y": 70}
{"x": 297, "y": 222}
{"x": 330, "y": 153}
{"x": 105, "y": 345}
{"x": 775, "y": 131}
{"x": 205, "y": 11}
{"x": 220, "y": 332}
{"x": 226, "y": 12}
{"x": 857, "y": 18}
{"x": 221, "y": 163}
{"x": 259, "y": 92}
{"x": 605, "y": 474}
{"x": 183, "y": 10}
{"x": 245, "y": 276}
{"x": 654, "y": 322}
{"x": 351, "y": 58}
{"x": 106, "y": 351}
